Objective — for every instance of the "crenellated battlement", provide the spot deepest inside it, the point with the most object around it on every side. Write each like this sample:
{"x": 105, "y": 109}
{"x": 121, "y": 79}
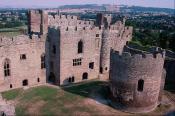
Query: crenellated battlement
{"x": 15, "y": 39}
{"x": 21, "y": 39}
{"x": 75, "y": 29}
{"x": 137, "y": 55}
{"x": 69, "y": 20}
{"x": 61, "y": 16}
{"x": 152, "y": 50}
{"x": 135, "y": 76}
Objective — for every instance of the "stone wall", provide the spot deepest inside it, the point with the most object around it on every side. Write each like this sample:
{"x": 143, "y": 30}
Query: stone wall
{"x": 128, "y": 71}
{"x": 21, "y": 69}
{"x": 169, "y": 64}
{"x": 68, "y": 50}
{"x": 115, "y": 37}
{"x": 68, "y": 21}
{"x": 54, "y": 57}
{"x": 65, "y": 32}
{"x": 57, "y": 37}
{"x": 170, "y": 69}
{"x": 38, "y": 22}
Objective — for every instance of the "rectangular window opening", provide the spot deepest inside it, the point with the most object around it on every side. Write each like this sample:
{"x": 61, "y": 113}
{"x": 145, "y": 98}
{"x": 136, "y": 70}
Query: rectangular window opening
{"x": 91, "y": 65}
{"x": 23, "y": 57}
{"x": 97, "y": 35}
{"x": 77, "y": 62}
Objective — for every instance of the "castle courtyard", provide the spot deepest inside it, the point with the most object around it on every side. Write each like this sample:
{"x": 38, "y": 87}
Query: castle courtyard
{"x": 88, "y": 98}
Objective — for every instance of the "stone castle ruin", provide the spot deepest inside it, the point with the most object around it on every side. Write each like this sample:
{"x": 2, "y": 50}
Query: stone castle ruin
{"x": 63, "y": 49}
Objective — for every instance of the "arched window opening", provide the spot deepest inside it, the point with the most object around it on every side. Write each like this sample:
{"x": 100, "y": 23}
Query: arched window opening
{"x": 7, "y": 68}
{"x": 76, "y": 28}
{"x": 106, "y": 68}
{"x": 85, "y": 76}
{"x": 54, "y": 49}
{"x": 80, "y": 47}
{"x": 25, "y": 82}
{"x": 38, "y": 80}
{"x": 43, "y": 65}
{"x": 11, "y": 86}
{"x": 101, "y": 70}
{"x": 71, "y": 79}
{"x": 140, "y": 85}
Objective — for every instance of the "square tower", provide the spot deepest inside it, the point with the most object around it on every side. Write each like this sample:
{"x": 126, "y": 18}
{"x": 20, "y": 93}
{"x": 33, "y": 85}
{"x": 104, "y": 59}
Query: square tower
{"x": 38, "y": 22}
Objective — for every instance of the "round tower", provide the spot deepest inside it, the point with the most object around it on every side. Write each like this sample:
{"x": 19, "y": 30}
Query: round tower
{"x": 105, "y": 54}
{"x": 136, "y": 80}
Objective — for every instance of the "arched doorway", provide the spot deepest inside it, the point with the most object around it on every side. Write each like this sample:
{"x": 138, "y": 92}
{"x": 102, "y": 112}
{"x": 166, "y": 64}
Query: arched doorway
{"x": 25, "y": 82}
{"x": 85, "y": 76}
{"x": 52, "y": 78}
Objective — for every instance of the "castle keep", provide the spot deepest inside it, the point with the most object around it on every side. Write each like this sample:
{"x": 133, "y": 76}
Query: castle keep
{"x": 63, "y": 49}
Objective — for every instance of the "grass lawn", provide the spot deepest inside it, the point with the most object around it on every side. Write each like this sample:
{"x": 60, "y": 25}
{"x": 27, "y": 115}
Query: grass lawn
{"x": 10, "y": 32}
{"x": 80, "y": 99}
{"x": 44, "y": 100}
{"x": 12, "y": 94}
{"x": 13, "y": 29}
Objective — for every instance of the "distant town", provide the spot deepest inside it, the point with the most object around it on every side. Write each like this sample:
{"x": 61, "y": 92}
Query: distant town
{"x": 148, "y": 22}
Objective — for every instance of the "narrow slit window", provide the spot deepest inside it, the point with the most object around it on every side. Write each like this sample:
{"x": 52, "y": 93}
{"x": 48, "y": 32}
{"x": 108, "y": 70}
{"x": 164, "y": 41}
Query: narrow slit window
{"x": 54, "y": 49}
{"x": 43, "y": 65}
{"x": 140, "y": 85}
{"x": 80, "y": 47}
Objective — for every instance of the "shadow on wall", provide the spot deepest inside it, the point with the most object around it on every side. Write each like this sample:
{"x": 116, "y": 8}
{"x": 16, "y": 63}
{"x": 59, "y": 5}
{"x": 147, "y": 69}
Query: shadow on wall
{"x": 71, "y": 79}
{"x": 172, "y": 113}
{"x": 52, "y": 51}
{"x": 170, "y": 75}
{"x": 52, "y": 78}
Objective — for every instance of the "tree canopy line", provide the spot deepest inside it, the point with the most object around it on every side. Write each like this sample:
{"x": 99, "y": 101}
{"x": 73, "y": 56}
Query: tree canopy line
{"x": 154, "y": 32}
{"x": 148, "y": 30}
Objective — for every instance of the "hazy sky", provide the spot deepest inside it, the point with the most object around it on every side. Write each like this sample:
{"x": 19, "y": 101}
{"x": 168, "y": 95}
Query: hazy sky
{"x": 55, "y": 3}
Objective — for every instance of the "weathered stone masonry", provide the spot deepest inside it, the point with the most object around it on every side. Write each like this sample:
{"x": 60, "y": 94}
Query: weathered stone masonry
{"x": 136, "y": 80}
{"x": 63, "y": 49}
{"x": 67, "y": 31}
{"x": 24, "y": 62}
{"x": 74, "y": 50}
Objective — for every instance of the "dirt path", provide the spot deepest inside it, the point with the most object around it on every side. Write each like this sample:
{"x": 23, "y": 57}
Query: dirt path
{"x": 102, "y": 109}
{"x": 6, "y": 108}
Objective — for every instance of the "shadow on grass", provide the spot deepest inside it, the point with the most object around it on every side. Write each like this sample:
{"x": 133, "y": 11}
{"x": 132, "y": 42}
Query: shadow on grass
{"x": 97, "y": 90}
{"x": 172, "y": 113}
{"x": 170, "y": 86}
